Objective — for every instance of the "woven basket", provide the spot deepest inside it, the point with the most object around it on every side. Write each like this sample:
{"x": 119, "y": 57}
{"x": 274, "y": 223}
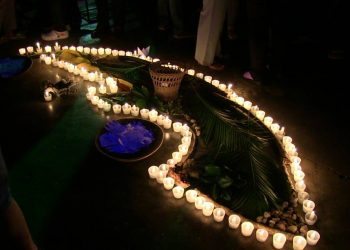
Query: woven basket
{"x": 166, "y": 81}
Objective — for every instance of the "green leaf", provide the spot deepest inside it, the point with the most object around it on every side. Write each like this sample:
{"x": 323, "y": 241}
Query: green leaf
{"x": 145, "y": 92}
{"x": 141, "y": 103}
{"x": 212, "y": 170}
{"x": 225, "y": 182}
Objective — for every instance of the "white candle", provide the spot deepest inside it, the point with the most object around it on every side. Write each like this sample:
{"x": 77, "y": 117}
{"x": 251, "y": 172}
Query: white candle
{"x": 310, "y": 218}
{"x": 215, "y": 83}
{"x": 30, "y": 49}
{"x": 200, "y": 75}
{"x": 312, "y": 237}
{"x": 168, "y": 183}
{"x": 295, "y": 160}
{"x": 64, "y": 47}
{"x": 177, "y": 126}
{"x": 279, "y": 240}
{"x": 114, "y": 52}
{"x": 93, "y": 51}
{"x": 299, "y": 242}
{"x": 240, "y": 100}
{"x": 294, "y": 168}
{"x": 191, "y": 195}
{"x": 144, "y": 113}
{"x": 233, "y": 96}
{"x": 164, "y": 167}
{"x": 72, "y": 48}
{"x": 208, "y": 208}
{"x": 308, "y": 206}
{"x": 275, "y": 127}
{"x": 153, "y": 115}
{"x": 117, "y": 108}
{"x": 48, "y": 49}
{"x": 234, "y": 220}
{"x": 121, "y": 53}
{"x": 160, "y": 176}
{"x": 300, "y": 186}
{"x": 183, "y": 149}
{"x": 260, "y": 114}
{"x": 100, "y": 104}
{"x": 191, "y": 72}
{"x": 178, "y": 192}
{"x": 80, "y": 49}
{"x": 171, "y": 163}
{"x": 247, "y": 105}
{"x": 167, "y": 123}
{"x": 113, "y": 88}
{"x": 126, "y": 109}
{"x": 87, "y": 50}
{"x": 261, "y": 235}
{"x": 303, "y": 196}
{"x": 48, "y": 60}
{"x": 107, "y": 107}
{"x": 57, "y": 47}
{"x": 101, "y": 51}
{"x": 156, "y": 60}
{"x": 108, "y": 51}
{"x": 89, "y": 96}
{"x": 160, "y": 119}
{"x": 70, "y": 68}
{"x": 199, "y": 201}
{"x": 22, "y": 51}
{"x": 177, "y": 157}
{"x": 208, "y": 78}
{"x": 219, "y": 214}
{"x": 247, "y": 228}
{"x": 286, "y": 140}
{"x": 135, "y": 110}
{"x": 268, "y": 121}
{"x": 91, "y": 77}
{"x": 254, "y": 109}
{"x": 76, "y": 71}
{"x": 222, "y": 86}
{"x": 186, "y": 140}
{"x": 102, "y": 89}
{"x": 94, "y": 100}
{"x": 128, "y": 53}
{"x": 299, "y": 175}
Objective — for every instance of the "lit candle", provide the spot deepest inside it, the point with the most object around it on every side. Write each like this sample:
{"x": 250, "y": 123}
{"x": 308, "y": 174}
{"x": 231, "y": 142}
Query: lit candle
{"x": 126, "y": 109}
{"x": 38, "y": 48}
{"x": 128, "y": 53}
{"x": 286, "y": 140}
{"x": 87, "y": 50}
{"x": 167, "y": 123}
{"x": 208, "y": 78}
{"x": 199, "y": 201}
{"x": 57, "y": 47}
{"x": 168, "y": 183}
{"x": 48, "y": 49}
{"x": 108, "y": 51}
{"x": 275, "y": 127}
{"x": 308, "y": 206}
{"x": 177, "y": 157}
{"x": 233, "y": 96}
{"x": 300, "y": 186}
{"x": 93, "y": 51}
{"x": 186, "y": 140}
{"x": 279, "y": 240}
{"x": 117, "y": 108}
{"x": 184, "y": 128}
{"x": 153, "y": 172}
{"x": 70, "y": 68}
{"x": 215, "y": 83}
{"x": 183, "y": 149}
{"x": 222, "y": 86}
{"x": 294, "y": 167}
{"x": 48, "y": 60}
{"x": 171, "y": 163}
{"x": 303, "y": 196}
{"x": 164, "y": 167}
{"x": 260, "y": 114}
{"x": 299, "y": 242}
{"x": 208, "y": 208}
{"x": 102, "y": 89}
{"x": 219, "y": 214}
{"x": 91, "y": 77}
{"x": 310, "y": 218}
{"x": 47, "y": 96}
{"x": 240, "y": 100}
{"x": 160, "y": 176}
{"x": 100, "y": 104}
{"x": 76, "y": 71}
{"x": 153, "y": 115}
{"x": 234, "y": 220}
{"x": 135, "y": 110}
{"x": 114, "y": 52}
{"x": 94, "y": 100}
{"x": 121, "y": 53}
{"x": 89, "y": 96}
{"x": 72, "y": 48}
{"x": 298, "y": 175}
{"x": 247, "y": 228}
{"x": 80, "y": 49}
{"x": 191, "y": 195}
{"x": 144, "y": 113}
{"x": 261, "y": 235}
{"x": 191, "y": 72}
{"x": 65, "y": 48}
{"x": 268, "y": 121}
{"x": 30, "y": 49}
{"x": 156, "y": 60}
{"x": 177, "y": 126}
{"x": 200, "y": 75}
{"x": 160, "y": 119}
{"x": 247, "y": 105}
{"x": 107, "y": 107}
{"x": 312, "y": 237}
{"x": 101, "y": 51}
{"x": 178, "y": 192}
{"x": 254, "y": 109}
{"x": 22, "y": 51}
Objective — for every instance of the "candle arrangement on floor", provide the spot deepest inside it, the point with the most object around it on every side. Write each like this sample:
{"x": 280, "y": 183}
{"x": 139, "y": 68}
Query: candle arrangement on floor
{"x": 161, "y": 173}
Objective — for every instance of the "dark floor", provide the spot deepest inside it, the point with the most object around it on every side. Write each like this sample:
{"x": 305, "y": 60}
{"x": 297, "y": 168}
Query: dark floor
{"x": 75, "y": 198}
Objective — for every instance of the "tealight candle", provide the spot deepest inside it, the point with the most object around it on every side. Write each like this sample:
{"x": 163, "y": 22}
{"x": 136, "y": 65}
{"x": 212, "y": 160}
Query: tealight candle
{"x": 121, "y": 53}
{"x": 219, "y": 214}
{"x": 100, "y": 104}
{"x": 108, "y": 51}
{"x": 300, "y": 186}
{"x": 156, "y": 60}
{"x": 126, "y": 109}
{"x": 107, "y": 107}
{"x": 87, "y": 50}
{"x": 308, "y": 206}
{"x": 215, "y": 83}
{"x": 186, "y": 140}
{"x": 72, "y": 48}
{"x": 76, "y": 71}
{"x": 117, "y": 108}
{"x": 93, "y": 51}
{"x": 191, "y": 195}
{"x": 286, "y": 140}
{"x": 312, "y": 237}
{"x": 268, "y": 121}
{"x": 57, "y": 47}
{"x": 240, "y": 100}
{"x": 128, "y": 53}
{"x": 184, "y": 129}
{"x": 153, "y": 115}
{"x": 91, "y": 77}
{"x": 254, "y": 109}
{"x": 144, "y": 113}
{"x": 30, "y": 49}
{"x": 153, "y": 172}
{"x": 22, "y": 51}
{"x": 247, "y": 228}
{"x": 187, "y": 134}
{"x": 275, "y": 127}
{"x": 114, "y": 52}
{"x": 183, "y": 149}
{"x": 171, "y": 163}
{"x": 164, "y": 167}
{"x": 160, "y": 119}
{"x": 135, "y": 110}
{"x": 200, "y": 75}
{"x": 80, "y": 49}
{"x": 178, "y": 192}
{"x": 38, "y": 48}
{"x": 310, "y": 218}
{"x": 94, "y": 100}
{"x": 167, "y": 123}
{"x": 101, "y": 51}
{"x": 303, "y": 196}
{"x": 102, "y": 89}
{"x": 299, "y": 242}
{"x": 261, "y": 235}
{"x": 70, "y": 68}
{"x": 247, "y": 105}
{"x": 160, "y": 176}
{"x": 89, "y": 96}
{"x": 222, "y": 86}
{"x": 191, "y": 72}
{"x": 260, "y": 114}
{"x": 177, "y": 157}
{"x": 298, "y": 175}
{"x": 65, "y": 48}
{"x": 168, "y": 183}
{"x": 199, "y": 201}
{"x": 234, "y": 220}
{"x": 48, "y": 60}
{"x": 48, "y": 49}
{"x": 177, "y": 126}
{"x": 208, "y": 208}
{"x": 279, "y": 240}
{"x": 295, "y": 160}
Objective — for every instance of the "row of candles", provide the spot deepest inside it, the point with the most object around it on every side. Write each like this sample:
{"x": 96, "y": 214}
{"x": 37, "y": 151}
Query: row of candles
{"x": 160, "y": 173}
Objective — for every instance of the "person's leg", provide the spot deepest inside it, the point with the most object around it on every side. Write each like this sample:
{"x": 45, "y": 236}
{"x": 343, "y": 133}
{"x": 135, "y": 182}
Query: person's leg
{"x": 210, "y": 25}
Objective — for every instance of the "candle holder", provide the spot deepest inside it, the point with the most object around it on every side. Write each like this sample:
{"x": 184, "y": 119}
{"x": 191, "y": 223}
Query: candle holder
{"x": 310, "y": 218}
{"x": 312, "y": 237}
